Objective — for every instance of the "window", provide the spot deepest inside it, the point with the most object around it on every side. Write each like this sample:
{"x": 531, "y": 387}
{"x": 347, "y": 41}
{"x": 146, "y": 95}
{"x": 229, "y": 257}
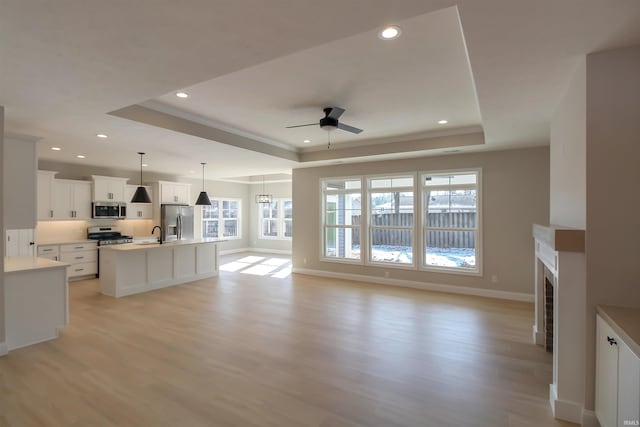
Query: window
{"x": 391, "y": 219}
{"x": 450, "y": 221}
{"x": 341, "y": 203}
{"x": 276, "y": 219}
{"x": 221, "y": 219}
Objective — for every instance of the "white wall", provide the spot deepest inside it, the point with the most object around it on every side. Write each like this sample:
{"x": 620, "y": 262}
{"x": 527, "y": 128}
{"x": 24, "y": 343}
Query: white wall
{"x": 20, "y": 181}
{"x": 568, "y": 148}
{"x": 515, "y": 195}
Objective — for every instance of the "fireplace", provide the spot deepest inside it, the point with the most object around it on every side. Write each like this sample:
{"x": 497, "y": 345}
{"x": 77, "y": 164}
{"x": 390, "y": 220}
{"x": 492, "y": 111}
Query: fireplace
{"x": 560, "y": 298}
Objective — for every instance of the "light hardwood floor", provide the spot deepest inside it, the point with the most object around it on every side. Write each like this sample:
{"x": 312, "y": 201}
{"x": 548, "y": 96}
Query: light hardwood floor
{"x": 247, "y": 350}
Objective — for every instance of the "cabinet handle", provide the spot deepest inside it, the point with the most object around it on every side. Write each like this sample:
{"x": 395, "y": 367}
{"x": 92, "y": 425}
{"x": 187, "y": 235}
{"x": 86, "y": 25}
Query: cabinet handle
{"x": 139, "y": 213}
{"x": 79, "y": 257}
{"x": 51, "y": 213}
{"x": 612, "y": 341}
{"x": 47, "y": 250}
{"x": 175, "y": 198}
{"x": 79, "y": 247}
{"x": 79, "y": 269}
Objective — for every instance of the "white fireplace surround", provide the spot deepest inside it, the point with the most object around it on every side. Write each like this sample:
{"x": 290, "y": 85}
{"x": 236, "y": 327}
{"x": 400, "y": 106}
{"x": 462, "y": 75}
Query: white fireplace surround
{"x": 561, "y": 251}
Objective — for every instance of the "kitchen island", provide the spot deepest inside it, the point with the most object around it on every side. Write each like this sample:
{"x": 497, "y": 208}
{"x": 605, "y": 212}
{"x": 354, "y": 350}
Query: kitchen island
{"x": 135, "y": 268}
{"x": 36, "y": 300}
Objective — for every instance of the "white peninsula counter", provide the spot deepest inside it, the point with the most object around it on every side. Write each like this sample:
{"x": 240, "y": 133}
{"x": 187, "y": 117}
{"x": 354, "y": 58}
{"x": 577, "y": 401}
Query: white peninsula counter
{"x": 134, "y": 268}
{"x": 36, "y": 300}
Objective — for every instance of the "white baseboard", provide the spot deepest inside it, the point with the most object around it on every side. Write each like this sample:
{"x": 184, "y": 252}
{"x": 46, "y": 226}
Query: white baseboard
{"x": 563, "y": 409}
{"x": 589, "y": 419}
{"x": 4, "y": 349}
{"x": 465, "y": 290}
{"x": 538, "y": 337}
{"x": 234, "y": 251}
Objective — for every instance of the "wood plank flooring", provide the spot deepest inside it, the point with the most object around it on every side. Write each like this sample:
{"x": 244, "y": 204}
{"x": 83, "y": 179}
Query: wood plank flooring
{"x": 248, "y": 350}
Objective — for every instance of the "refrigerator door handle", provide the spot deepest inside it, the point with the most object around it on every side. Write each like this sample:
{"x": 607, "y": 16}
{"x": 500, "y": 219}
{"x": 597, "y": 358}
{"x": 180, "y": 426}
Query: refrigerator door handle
{"x": 179, "y": 236}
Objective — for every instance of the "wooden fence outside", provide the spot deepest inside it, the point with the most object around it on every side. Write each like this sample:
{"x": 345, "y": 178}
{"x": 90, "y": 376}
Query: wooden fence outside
{"x": 435, "y": 238}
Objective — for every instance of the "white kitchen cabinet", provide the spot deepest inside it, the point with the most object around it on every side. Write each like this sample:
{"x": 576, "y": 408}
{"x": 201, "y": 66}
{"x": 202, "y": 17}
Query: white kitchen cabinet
{"x": 109, "y": 189}
{"x": 20, "y": 242}
{"x": 51, "y": 252}
{"x": 617, "y": 379}
{"x": 138, "y": 210}
{"x": 71, "y": 199}
{"x": 45, "y": 195}
{"x": 83, "y": 258}
{"x": 175, "y": 193}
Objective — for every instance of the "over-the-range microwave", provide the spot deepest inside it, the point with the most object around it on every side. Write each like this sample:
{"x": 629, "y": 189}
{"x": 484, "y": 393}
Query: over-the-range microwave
{"x": 108, "y": 210}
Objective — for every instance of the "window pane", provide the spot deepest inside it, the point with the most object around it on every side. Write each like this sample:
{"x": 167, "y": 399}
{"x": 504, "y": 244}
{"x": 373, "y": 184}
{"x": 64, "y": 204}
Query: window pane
{"x": 437, "y": 208}
{"x": 453, "y": 179}
{"x": 451, "y": 249}
{"x": 394, "y": 209}
{"x": 392, "y": 182}
{"x": 341, "y": 184}
{"x": 210, "y": 229}
{"x": 342, "y": 209}
{"x": 270, "y": 227}
{"x": 288, "y": 228}
{"x": 455, "y": 208}
{"x": 231, "y": 228}
{"x": 392, "y": 246}
{"x": 342, "y": 243}
{"x": 287, "y": 206}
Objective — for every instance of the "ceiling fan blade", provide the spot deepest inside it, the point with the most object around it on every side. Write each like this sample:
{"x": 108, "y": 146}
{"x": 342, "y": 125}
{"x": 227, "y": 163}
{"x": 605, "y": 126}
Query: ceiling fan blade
{"x": 349, "y": 128}
{"x": 335, "y": 112}
{"x": 299, "y": 126}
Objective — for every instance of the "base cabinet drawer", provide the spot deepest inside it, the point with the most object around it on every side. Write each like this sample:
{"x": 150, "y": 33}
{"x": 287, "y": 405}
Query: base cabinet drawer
{"x": 83, "y": 269}
{"x": 45, "y": 251}
{"x": 79, "y": 257}
{"x": 75, "y": 247}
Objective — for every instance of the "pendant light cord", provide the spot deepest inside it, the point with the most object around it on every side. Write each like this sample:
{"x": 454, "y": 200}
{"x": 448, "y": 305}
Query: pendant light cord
{"x": 203, "y": 175}
{"x": 141, "y": 154}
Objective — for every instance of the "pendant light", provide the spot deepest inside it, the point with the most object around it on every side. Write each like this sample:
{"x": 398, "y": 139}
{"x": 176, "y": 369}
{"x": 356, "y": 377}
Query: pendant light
{"x": 263, "y": 198}
{"x": 203, "y": 198}
{"x": 141, "y": 195}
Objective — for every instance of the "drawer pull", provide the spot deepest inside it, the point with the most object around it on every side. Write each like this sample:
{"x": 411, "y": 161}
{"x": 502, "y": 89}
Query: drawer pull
{"x": 46, "y": 250}
{"x": 79, "y": 247}
{"x": 79, "y": 269}
{"x": 79, "y": 257}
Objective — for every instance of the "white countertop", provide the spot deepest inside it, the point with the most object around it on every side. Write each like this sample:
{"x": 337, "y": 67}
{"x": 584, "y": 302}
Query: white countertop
{"x": 625, "y": 322}
{"x": 66, "y": 242}
{"x": 14, "y": 264}
{"x": 142, "y": 246}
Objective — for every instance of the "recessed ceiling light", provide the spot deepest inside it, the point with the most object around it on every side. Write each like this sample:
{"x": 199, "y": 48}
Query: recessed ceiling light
{"x": 306, "y": 141}
{"x": 144, "y": 165}
{"x": 389, "y": 33}
{"x": 443, "y": 122}
{"x": 182, "y": 95}
{"x": 192, "y": 171}
{"x": 102, "y": 135}
{"x": 56, "y": 148}
{"x": 80, "y": 156}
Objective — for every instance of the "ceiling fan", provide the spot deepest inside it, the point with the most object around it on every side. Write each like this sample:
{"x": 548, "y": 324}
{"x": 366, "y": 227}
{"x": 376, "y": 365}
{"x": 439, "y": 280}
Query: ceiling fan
{"x": 330, "y": 121}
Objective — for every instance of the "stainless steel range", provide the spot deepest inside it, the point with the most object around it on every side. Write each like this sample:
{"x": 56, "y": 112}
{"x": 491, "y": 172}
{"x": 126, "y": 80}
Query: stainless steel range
{"x": 107, "y": 236}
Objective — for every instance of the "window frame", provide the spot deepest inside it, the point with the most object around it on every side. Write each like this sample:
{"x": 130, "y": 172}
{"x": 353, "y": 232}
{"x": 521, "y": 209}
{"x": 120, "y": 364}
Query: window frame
{"x": 370, "y": 228}
{"x": 323, "y": 225}
{"x": 479, "y": 224}
{"x": 281, "y": 221}
{"x": 221, "y": 219}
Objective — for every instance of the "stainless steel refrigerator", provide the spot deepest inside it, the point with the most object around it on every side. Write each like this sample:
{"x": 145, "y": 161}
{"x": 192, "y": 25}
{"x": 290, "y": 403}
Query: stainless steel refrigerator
{"x": 176, "y": 222}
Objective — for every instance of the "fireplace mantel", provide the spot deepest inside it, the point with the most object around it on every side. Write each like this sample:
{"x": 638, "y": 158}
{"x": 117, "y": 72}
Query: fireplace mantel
{"x": 560, "y": 239}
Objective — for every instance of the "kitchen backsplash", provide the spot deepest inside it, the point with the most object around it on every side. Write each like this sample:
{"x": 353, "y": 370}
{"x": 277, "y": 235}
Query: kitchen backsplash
{"x": 61, "y": 231}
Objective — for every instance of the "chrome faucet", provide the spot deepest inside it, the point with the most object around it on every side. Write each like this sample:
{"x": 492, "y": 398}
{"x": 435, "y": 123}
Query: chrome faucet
{"x": 154, "y": 229}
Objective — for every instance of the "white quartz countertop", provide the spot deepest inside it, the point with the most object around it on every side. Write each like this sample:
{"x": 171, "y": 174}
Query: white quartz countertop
{"x": 143, "y": 246}
{"x": 66, "y": 242}
{"x": 14, "y": 264}
{"x": 625, "y": 322}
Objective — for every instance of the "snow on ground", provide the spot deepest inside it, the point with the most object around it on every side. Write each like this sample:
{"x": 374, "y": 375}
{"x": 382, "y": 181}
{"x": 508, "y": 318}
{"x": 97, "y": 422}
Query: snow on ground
{"x": 437, "y": 257}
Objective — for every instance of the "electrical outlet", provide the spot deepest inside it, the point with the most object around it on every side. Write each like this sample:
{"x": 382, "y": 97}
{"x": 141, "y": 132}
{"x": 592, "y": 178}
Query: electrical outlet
{"x": 494, "y": 278}
{"x": 386, "y": 274}
{"x": 304, "y": 261}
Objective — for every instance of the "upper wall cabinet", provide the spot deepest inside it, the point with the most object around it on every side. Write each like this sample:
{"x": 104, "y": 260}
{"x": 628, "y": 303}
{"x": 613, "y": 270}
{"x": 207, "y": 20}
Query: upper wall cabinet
{"x": 45, "y": 195}
{"x": 138, "y": 210}
{"x": 109, "y": 189}
{"x": 71, "y": 199}
{"x": 174, "y": 193}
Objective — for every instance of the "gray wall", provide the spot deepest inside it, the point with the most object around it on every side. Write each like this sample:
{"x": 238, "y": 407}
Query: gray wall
{"x": 2, "y": 331}
{"x": 515, "y": 196}
{"x": 613, "y": 175}
{"x": 20, "y": 175}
